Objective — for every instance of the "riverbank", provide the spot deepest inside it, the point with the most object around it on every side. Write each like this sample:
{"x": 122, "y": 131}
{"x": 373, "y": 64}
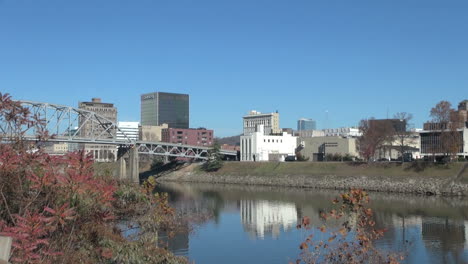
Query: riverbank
{"x": 429, "y": 179}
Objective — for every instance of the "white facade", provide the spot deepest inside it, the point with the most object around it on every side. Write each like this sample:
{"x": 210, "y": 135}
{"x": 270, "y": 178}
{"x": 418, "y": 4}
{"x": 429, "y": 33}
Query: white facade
{"x": 342, "y": 132}
{"x": 259, "y": 147}
{"x": 130, "y": 129}
{"x": 310, "y": 133}
{"x": 269, "y": 121}
{"x": 331, "y": 132}
{"x": 57, "y": 148}
{"x": 101, "y": 152}
{"x": 429, "y": 143}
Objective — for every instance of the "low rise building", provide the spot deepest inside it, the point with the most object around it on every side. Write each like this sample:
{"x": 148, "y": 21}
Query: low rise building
{"x": 342, "y": 132}
{"x": 191, "y": 136}
{"x": 152, "y": 133}
{"x": 316, "y": 148}
{"x": 446, "y": 138}
{"x": 330, "y": 132}
{"x": 288, "y": 130}
{"x": 260, "y": 147}
{"x": 392, "y": 150}
{"x": 434, "y": 142}
{"x": 56, "y": 148}
{"x": 310, "y": 133}
{"x": 102, "y": 153}
{"x": 230, "y": 147}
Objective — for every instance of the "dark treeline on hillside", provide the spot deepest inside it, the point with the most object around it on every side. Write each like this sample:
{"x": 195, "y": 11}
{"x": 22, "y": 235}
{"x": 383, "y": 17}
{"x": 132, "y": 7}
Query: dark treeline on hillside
{"x": 234, "y": 140}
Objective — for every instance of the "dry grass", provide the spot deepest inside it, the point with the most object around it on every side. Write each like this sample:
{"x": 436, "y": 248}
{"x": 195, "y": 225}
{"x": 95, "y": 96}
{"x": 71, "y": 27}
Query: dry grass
{"x": 338, "y": 169}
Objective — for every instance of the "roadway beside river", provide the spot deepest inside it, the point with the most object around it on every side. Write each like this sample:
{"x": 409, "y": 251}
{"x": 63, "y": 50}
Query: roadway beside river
{"x": 417, "y": 178}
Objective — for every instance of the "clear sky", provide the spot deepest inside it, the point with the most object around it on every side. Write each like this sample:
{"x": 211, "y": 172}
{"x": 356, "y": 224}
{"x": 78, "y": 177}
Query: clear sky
{"x": 352, "y": 58}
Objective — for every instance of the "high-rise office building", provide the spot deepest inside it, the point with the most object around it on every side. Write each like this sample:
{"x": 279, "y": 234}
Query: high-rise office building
{"x": 101, "y": 152}
{"x": 270, "y": 122}
{"x": 306, "y": 124}
{"x": 106, "y": 110}
{"x": 158, "y": 108}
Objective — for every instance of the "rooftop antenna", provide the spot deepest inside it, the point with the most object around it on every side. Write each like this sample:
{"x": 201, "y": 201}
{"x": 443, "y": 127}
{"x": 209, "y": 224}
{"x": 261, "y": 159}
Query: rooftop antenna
{"x": 326, "y": 119}
{"x": 387, "y": 112}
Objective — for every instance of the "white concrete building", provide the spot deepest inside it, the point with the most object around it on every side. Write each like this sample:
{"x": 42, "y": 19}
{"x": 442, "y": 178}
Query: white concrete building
{"x": 152, "y": 133}
{"x": 431, "y": 143}
{"x": 342, "y": 132}
{"x": 129, "y": 128}
{"x": 259, "y": 147}
{"x": 310, "y": 133}
{"x": 269, "y": 121}
{"x": 57, "y": 148}
{"x": 331, "y": 132}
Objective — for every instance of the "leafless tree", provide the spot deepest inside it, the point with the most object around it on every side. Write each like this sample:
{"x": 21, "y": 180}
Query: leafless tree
{"x": 374, "y": 136}
{"x": 404, "y": 137}
{"x": 448, "y": 121}
{"x": 441, "y": 112}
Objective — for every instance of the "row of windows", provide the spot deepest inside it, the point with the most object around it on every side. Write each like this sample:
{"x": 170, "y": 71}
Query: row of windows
{"x": 252, "y": 123}
{"x": 273, "y": 141}
{"x": 186, "y": 133}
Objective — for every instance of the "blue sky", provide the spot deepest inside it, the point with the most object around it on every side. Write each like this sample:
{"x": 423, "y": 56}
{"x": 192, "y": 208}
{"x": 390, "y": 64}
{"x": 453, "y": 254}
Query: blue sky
{"x": 354, "y": 59}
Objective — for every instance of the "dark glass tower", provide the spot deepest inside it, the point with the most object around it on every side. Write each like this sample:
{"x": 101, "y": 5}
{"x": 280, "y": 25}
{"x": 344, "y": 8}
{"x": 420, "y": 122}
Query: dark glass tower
{"x": 170, "y": 108}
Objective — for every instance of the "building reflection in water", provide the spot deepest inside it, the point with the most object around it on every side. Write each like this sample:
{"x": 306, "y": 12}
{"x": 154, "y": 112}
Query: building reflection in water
{"x": 466, "y": 234}
{"x": 261, "y": 217}
{"x": 447, "y": 236}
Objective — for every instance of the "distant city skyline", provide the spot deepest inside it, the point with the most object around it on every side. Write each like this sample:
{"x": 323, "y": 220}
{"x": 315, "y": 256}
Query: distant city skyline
{"x": 356, "y": 59}
{"x": 306, "y": 124}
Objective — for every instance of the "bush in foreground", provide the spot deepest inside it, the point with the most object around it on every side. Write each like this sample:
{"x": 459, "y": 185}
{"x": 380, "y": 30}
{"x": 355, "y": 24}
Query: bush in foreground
{"x": 57, "y": 210}
{"x": 353, "y": 241}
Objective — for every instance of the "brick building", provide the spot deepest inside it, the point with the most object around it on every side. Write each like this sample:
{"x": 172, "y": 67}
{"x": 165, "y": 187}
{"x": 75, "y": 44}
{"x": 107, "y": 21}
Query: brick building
{"x": 189, "y": 136}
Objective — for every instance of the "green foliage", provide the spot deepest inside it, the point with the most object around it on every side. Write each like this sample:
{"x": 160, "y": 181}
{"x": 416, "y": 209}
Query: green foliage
{"x": 348, "y": 157}
{"x": 157, "y": 163}
{"x": 300, "y": 157}
{"x": 214, "y": 161}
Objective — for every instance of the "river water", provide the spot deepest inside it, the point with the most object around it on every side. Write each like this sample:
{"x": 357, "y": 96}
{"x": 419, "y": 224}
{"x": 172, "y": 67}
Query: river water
{"x": 257, "y": 224}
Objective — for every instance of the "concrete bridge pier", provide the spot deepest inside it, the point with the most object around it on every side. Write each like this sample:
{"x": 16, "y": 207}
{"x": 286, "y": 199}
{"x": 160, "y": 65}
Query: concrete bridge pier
{"x": 134, "y": 165}
{"x": 122, "y": 173}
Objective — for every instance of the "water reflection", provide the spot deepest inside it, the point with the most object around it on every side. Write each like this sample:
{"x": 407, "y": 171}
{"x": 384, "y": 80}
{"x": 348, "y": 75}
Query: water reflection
{"x": 436, "y": 227}
{"x": 262, "y": 217}
{"x": 444, "y": 238}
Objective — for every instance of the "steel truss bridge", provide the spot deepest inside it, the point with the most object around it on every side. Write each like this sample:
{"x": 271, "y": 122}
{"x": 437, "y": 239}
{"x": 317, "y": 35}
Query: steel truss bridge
{"x": 67, "y": 124}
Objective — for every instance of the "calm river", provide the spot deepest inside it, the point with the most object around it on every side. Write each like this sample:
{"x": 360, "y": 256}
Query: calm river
{"x": 256, "y": 224}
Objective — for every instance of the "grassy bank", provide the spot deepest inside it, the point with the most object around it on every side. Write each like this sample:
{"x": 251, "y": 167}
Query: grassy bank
{"x": 338, "y": 169}
{"x": 419, "y": 178}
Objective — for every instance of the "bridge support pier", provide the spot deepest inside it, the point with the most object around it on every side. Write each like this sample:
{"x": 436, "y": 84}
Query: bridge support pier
{"x": 122, "y": 169}
{"x": 134, "y": 165}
